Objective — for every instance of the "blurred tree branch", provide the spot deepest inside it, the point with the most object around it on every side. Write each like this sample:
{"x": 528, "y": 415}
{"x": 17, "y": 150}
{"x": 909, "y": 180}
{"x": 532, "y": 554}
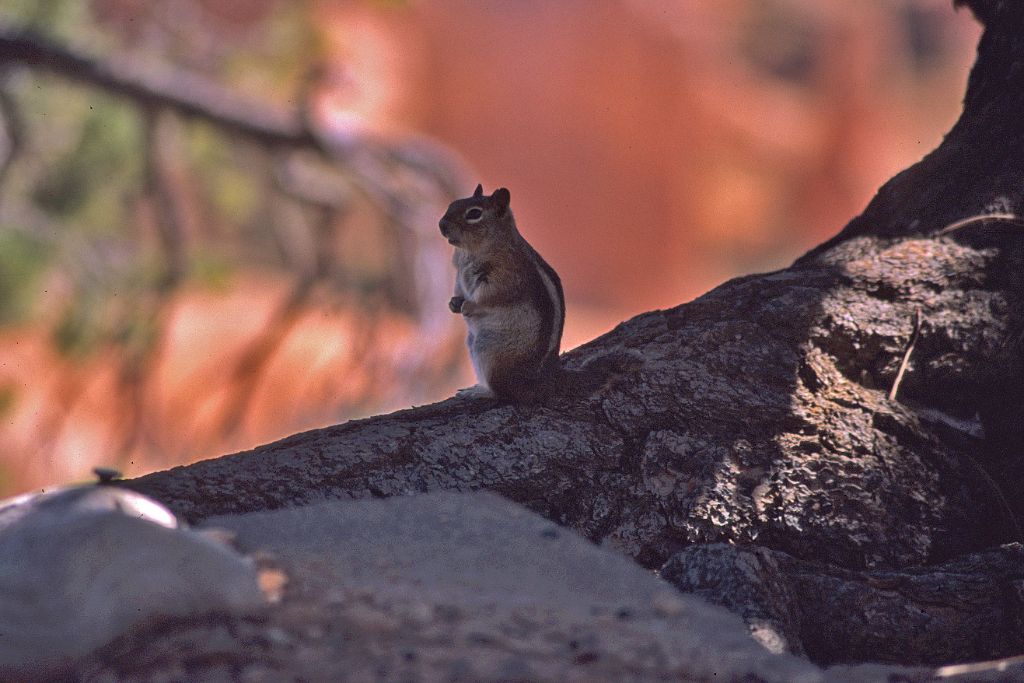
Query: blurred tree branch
{"x": 182, "y": 92}
{"x": 310, "y": 169}
{"x": 193, "y": 96}
{"x": 13, "y": 127}
{"x": 140, "y": 359}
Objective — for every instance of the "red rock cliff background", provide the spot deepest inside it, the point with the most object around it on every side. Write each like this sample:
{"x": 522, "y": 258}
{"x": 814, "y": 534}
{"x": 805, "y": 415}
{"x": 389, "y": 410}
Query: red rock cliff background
{"x": 652, "y": 148}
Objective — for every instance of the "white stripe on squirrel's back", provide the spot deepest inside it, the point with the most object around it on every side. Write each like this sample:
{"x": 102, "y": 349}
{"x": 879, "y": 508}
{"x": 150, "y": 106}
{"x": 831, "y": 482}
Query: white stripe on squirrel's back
{"x": 556, "y": 306}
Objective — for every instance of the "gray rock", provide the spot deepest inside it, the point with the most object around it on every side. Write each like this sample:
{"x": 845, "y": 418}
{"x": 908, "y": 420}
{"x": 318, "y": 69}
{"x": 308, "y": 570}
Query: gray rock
{"x": 460, "y": 587}
{"x": 470, "y": 550}
{"x": 81, "y": 566}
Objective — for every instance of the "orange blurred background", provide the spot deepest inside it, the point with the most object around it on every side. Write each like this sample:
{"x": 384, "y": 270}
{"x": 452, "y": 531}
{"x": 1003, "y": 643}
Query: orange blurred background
{"x": 653, "y": 149}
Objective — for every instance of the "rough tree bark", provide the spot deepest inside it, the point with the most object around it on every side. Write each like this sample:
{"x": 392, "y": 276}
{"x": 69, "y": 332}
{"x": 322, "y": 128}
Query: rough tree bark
{"x": 760, "y": 416}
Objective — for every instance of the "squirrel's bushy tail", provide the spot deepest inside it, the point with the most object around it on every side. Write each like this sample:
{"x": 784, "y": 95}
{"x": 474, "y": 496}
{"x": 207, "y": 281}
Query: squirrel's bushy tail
{"x": 556, "y": 382}
{"x": 596, "y": 374}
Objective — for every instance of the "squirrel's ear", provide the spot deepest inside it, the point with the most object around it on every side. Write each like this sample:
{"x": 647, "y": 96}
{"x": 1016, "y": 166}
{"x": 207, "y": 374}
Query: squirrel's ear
{"x": 501, "y": 198}
{"x": 479, "y": 192}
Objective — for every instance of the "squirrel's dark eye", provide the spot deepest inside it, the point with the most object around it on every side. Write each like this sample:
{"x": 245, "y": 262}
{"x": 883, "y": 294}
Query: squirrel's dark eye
{"x": 474, "y": 214}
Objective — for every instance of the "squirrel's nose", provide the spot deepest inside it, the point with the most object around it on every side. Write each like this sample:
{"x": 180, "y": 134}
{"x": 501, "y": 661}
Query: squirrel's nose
{"x": 444, "y": 225}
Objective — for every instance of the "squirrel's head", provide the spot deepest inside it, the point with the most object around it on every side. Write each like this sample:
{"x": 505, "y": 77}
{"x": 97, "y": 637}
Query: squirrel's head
{"x": 478, "y": 221}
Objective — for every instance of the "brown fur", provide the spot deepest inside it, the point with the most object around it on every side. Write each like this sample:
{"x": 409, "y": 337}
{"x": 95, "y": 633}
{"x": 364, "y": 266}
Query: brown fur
{"x": 510, "y": 297}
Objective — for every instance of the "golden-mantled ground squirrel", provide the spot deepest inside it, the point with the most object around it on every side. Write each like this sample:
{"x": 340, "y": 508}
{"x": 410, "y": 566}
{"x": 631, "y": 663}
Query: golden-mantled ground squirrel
{"x": 510, "y": 298}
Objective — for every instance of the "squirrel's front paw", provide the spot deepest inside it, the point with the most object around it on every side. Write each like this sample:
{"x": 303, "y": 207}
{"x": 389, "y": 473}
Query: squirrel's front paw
{"x": 455, "y": 304}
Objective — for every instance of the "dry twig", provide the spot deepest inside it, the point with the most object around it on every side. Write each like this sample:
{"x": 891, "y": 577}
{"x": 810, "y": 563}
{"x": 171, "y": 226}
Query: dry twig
{"x": 906, "y": 354}
{"x": 981, "y": 218}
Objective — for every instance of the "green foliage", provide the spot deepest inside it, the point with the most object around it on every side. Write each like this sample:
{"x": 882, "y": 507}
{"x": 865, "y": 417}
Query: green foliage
{"x": 211, "y": 271}
{"x": 51, "y": 17}
{"x": 137, "y": 333}
{"x": 78, "y": 332}
{"x": 23, "y": 261}
{"x": 289, "y": 44}
{"x": 231, "y": 190}
{"x": 82, "y": 170}
{"x": 89, "y": 181}
{"x": 113, "y": 309}
{"x": 8, "y": 399}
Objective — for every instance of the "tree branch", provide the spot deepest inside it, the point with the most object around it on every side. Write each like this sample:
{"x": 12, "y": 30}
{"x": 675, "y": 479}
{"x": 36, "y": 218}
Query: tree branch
{"x": 13, "y": 128}
{"x": 182, "y": 92}
{"x": 193, "y": 96}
